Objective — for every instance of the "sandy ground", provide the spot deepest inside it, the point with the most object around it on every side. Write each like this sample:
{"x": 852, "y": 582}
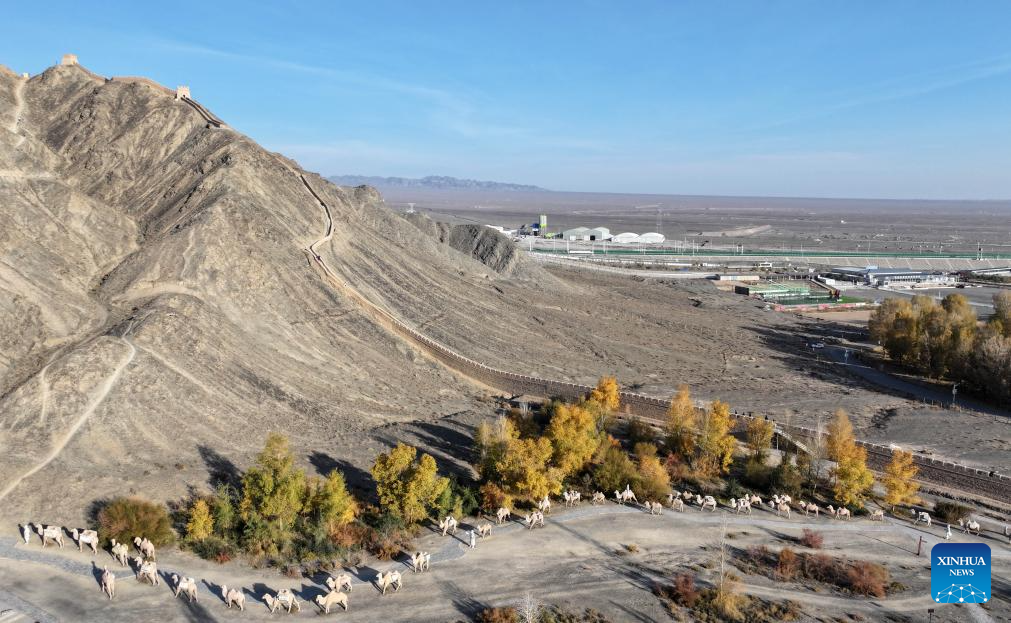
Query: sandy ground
{"x": 578, "y": 560}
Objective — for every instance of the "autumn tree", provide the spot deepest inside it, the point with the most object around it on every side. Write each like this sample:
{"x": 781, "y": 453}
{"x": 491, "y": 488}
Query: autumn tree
{"x": 574, "y": 437}
{"x": 840, "y": 435}
{"x": 407, "y": 486}
{"x": 653, "y": 481}
{"x": 606, "y": 394}
{"x": 716, "y": 444}
{"x": 681, "y": 424}
{"x": 898, "y": 480}
{"x": 329, "y": 502}
{"x": 615, "y": 470}
{"x": 273, "y": 489}
{"x": 1000, "y": 321}
{"x": 852, "y": 477}
{"x": 200, "y": 524}
{"x": 526, "y": 471}
{"x": 759, "y": 439}
{"x": 491, "y": 442}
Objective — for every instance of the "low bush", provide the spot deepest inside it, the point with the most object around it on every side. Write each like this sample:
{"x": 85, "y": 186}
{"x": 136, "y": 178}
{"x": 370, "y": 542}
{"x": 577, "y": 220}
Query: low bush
{"x": 505, "y": 614}
{"x": 812, "y": 539}
{"x": 127, "y": 517}
{"x": 685, "y": 591}
{"x": 788, "y": 564}
{"x": 213, "y": 548}
{"x": 950, "y": 512}
{"x": 868, "y": 578}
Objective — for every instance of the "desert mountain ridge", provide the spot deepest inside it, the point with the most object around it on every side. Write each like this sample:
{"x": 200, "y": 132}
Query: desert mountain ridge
{"x": 170, "y": 292}
{"x": 431, "y": 182}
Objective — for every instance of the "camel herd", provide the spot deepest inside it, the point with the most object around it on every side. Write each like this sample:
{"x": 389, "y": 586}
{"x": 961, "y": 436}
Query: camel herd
{"x": 339, "y": 587}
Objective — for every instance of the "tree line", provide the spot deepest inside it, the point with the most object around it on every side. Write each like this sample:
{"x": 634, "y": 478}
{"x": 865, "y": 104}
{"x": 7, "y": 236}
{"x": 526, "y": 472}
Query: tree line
{"x": 946, "y": 341}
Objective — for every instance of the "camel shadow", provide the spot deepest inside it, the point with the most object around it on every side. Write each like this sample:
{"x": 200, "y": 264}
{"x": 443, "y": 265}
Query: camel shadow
{"x": 308, "y": 592}
{"x": 215, "y": 589}
{"x": 97, "y": 573}
{"x": 364, "y": 574}
{"x": 258, "y": 592}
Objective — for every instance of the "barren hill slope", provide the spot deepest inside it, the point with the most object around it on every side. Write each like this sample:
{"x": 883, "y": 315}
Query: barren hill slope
{"x": 160, "y": 304}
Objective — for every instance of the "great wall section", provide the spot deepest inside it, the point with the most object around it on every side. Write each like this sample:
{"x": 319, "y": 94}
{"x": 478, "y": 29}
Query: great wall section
{"x": 952, "y": 477}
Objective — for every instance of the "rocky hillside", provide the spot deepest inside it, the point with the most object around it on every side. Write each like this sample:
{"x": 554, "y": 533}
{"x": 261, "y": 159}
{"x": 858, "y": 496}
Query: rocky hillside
{"x": 162, "y": 307}
{"x": 484, "y": 244}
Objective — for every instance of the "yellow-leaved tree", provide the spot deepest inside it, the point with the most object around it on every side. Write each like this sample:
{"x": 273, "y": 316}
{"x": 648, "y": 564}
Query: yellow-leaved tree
{"x": 573, "y": 434}
{"x": 606, "y": 394}
{"x": 716, "y": 444}
{"x": 329, "y": 501}
{"x": 759, "y": 439}
{"x": 407, "y": 486}
{"x": 681, "y": 424}
{"x": 273, "y": 489}
{"x": 899, "y": 474}
{"x": 840, "y": 435}
{"x": 653, "y": 482}
{"x": 851, "y": 477}
{"x": 200, "y": 524}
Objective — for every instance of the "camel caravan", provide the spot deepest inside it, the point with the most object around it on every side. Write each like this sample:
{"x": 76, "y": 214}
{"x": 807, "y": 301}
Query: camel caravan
{"x": 339, "y": 587}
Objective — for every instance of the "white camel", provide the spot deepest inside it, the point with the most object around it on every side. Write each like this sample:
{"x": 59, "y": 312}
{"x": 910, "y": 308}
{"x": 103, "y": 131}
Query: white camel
{"x": 687, "y": 495}
{"x": 755, "y": 500}
{"x": 26, "y": 532}
{"x": 878, "y": 515}
{"x": 947, "y": 532}
{"x": 233, "y": 597}
{"x": 147, "y": 571}
{"x": 108, "y": 582}
{"x": 342, "y": 582}
{"x": 187, "y": 586}
{"x": 332, "y": 599}
{"x": 810, "y": 507}
{"x": 544, "y": 505}
{"x": 843, "y": 513}
{"x": 783, "y": 508}
{"x": 388, "y": 579}
{"x": 503, "y": 514}
{"x": 623, "y": 497}
{"x": 50, "y": 533}
{"x": 284, "y": 599}
{"x": 744, "y": 506}
{"x": 969, "y": 526}
{"x": 449, "y": 524}
{"x": 484, "y": 530}
{"x": 676, "y": 503}
{"x": 145, "y": 547}
{"x": 598, "y": 498}
{"x": 706, "y": 502}
{"x": 85, "y": 537}
{"x": 924, "y": 517}
{"x": 120, "y": 552}
{"x": 417, "y": 563}
{"x": 571, "y": 497}
{"x": 654, "y": 508}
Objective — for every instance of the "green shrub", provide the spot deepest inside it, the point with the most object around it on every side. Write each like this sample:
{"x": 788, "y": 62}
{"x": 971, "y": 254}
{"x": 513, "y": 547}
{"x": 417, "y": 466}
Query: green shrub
{"x": 950, "y": 512}
{"x": 124, "y": 518}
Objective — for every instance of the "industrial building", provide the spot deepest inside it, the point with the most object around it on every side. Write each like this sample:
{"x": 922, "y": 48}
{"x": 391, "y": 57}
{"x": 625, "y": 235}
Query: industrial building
{"x": 587, "y": 233}
{"x": 629, "y": 237}
{"x": 874, "y": 276}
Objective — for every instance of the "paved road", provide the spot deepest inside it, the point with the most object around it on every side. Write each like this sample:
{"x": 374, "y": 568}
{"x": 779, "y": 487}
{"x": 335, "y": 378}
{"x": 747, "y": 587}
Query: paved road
{"x": 908, "y": 388}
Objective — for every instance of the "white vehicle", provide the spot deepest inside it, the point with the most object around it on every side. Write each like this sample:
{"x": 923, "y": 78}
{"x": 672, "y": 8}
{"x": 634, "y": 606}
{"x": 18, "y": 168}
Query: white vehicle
{"x": 818, "y": 345}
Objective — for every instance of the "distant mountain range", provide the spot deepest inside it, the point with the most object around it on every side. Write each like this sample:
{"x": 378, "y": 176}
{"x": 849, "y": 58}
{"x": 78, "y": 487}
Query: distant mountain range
{"x": 440, "y": 182}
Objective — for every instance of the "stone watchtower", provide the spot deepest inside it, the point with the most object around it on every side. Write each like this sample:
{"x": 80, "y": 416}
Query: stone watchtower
{"x": 183, "y": 92}
{"x": 68, "y": 59}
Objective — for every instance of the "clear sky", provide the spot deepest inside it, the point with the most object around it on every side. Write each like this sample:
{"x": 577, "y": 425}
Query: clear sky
{"x": 843, "y": 99}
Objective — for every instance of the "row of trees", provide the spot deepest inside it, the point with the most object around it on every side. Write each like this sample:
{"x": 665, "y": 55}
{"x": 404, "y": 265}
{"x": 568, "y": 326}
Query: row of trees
{"x": 945, "y": 340}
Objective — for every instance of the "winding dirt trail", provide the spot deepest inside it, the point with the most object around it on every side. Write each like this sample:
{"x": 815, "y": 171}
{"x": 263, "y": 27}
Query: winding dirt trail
{"x": 96, "y": 400}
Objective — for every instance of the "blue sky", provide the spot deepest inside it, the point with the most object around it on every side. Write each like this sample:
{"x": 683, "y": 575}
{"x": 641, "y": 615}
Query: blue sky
{"x": 847, "y": 99}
